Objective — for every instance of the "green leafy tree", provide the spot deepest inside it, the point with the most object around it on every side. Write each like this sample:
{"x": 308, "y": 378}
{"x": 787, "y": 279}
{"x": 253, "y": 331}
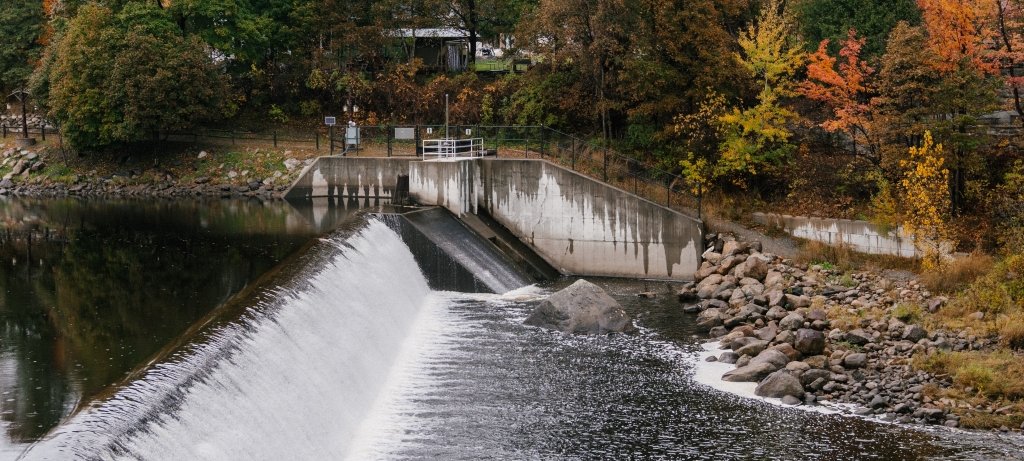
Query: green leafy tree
{"x": 873, "y": 19}
{"x": 22, "y": 25}
{"x": 124, "y": 77}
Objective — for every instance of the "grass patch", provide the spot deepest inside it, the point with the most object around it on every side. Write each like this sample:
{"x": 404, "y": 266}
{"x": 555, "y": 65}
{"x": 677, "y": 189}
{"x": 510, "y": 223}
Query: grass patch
{"x": 907, "y": 312}
{"x": 958, "y": 274}
{"x": 997, "y": 375}
{"x": 844, "y": 258}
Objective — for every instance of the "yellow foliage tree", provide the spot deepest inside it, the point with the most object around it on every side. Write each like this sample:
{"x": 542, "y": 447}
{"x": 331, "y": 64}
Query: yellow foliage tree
{"x": 926, "y": 200}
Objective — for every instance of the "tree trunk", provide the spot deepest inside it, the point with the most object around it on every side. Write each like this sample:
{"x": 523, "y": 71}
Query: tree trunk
{"x": 472, "y": 26}
{"x": 1012, "y": 65}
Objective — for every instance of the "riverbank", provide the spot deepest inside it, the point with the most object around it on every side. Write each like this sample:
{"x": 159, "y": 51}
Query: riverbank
{"x": 808, "y": 333}
{"x": 175, "y": 171}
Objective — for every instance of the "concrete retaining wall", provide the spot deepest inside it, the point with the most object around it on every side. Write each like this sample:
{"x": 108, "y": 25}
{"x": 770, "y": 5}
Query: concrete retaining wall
{"x": 344, "y": 177}
{"x": 586, "y": 227}
{"x": 862, "y": 236}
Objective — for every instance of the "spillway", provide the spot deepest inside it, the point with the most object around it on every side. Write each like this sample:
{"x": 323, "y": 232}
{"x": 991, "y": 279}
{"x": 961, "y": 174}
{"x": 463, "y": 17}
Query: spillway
{"x": 292, "y": 378}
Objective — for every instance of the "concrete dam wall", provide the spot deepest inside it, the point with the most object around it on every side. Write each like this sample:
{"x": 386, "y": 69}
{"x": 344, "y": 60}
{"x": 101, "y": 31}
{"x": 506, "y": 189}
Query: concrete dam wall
{"x": 579, "y": 225}
{"x": 345, "y": 178}
{"x": 861, "y": 236}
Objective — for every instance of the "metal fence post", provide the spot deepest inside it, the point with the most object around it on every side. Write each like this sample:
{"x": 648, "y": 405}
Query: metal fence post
{"x": 42, "y": 132}
{"x": 275, "y": 138}
{"x": 232, "y": 137}
{"x": 389, "y": 135}
{"x": 605, "y": 161}
{"x": 316, "y": 139}
{"x": 573, "y": 154}
{"x": 543, "y": 140}
{"x": 330, "y": 135}
{"x": 5, "y": 129}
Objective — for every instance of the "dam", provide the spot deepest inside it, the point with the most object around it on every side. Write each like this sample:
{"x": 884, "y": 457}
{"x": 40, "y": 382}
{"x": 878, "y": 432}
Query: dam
{"x": 578, "y": 225}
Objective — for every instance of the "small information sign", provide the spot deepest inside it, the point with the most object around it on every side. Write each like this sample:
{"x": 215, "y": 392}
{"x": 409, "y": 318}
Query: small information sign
{"x": 330, "y": 121}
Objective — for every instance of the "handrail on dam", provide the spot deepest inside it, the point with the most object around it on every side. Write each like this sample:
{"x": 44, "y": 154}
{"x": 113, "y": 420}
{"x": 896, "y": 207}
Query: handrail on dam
{"x": 453, "y": 148}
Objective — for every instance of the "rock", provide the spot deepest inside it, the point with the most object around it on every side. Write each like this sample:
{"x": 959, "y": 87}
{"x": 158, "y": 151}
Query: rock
{"x": 776, "y": 313}
{"x": 709, "y": 318}
{"x": 768, "y": 332}
{"x": 797, "y": 366}
{"x": 855, "y": 360}
{"x": 790, "y": 400}
{"x": 754, "y": 267}
{"x": 202, "y": 155}
{"x": 753, "y": 348}
{"x": 772, "y": 357}
{"x": 878, "y": 402}
{"x": 291, "y": 164}
{"x": 773, "y": 279}
{"x": 713, "y": 279}
{"x": 787, "y": 350}
{"x": 711, "y": 358}
{"x": 979, "y": 316}
{"x": 6, "y": 183}
{"x": 813, "y": 374}
{"x": 859, "y": 337}
{"x": 733, "y": 247}
{"x": 914, "y": 333}
{"x": 809, "y": 342}
{"x": 792, "y": 322}
{"x": 19, "y": 167}
{"x": 753, "y": 372}
{"x": 729, "y": 357}
{"x": 232, "y": 174}
{"x": 780, "y": 384}
{"x": 935, "y": 304}
{"x": 581, "y": 308}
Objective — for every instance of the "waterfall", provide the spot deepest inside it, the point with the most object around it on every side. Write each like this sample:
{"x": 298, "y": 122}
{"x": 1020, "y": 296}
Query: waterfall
{"x": 293, "y": 378}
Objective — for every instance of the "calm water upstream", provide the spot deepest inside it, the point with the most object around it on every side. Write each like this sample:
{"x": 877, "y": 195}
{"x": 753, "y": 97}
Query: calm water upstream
{"x": 242, "y": 330}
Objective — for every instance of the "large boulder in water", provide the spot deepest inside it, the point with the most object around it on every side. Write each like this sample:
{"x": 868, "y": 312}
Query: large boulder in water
{"x": 581, "y": 308}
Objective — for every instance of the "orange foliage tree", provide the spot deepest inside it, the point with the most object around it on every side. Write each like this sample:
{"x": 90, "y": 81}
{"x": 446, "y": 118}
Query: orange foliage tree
{"x": 847, "y": 90}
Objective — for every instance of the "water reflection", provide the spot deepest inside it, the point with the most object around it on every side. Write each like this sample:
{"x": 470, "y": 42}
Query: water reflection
{"x": 91, "y": 290}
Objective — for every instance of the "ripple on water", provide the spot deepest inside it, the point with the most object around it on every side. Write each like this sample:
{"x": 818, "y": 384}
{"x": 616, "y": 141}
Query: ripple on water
{"x": 482, "y": 386}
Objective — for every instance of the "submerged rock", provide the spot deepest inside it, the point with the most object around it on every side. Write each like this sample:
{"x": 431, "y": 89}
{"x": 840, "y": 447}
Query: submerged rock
{"x": 582, "y": 308}
{"x": 780, "y": 384}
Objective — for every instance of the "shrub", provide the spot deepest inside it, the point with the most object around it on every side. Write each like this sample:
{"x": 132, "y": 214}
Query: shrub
{"x": 1011, "y": 331}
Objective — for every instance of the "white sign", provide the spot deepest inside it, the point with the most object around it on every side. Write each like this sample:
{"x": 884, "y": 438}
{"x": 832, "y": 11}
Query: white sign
{"x": 330, "y": 121}
{"x": 469, "y": 132}
{"x": 405, "y": 133}
{"x": 430, "y": 130}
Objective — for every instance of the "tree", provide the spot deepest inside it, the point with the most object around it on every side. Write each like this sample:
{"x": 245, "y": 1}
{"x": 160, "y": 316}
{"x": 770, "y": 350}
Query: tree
{"x": 758, "y": 136}
{"x": 847, "y": 91}
{"x": 21, "y": 43}
{"x": 830, "y": 20}
{"x": 925, "y": 188}
{"x": 1009, "y": 23}
{"x": 124, "y": 77}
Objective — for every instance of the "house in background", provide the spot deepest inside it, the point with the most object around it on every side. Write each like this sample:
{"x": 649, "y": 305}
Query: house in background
{"x": 441, "y": 49}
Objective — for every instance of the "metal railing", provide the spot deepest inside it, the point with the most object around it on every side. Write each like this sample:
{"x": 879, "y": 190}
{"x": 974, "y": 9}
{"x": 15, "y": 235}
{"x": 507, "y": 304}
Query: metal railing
{"x": 453, "y": 148}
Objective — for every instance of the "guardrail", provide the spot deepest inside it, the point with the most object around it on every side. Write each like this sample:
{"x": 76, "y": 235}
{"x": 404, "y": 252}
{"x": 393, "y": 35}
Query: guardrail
{"x": 452, "y": 148}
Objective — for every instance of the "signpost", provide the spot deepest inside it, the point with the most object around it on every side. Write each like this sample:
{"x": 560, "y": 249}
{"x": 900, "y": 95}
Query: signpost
{"x": 330, "y": 122}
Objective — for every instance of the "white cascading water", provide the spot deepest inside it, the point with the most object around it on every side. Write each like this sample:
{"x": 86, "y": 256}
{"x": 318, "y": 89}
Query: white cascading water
{"x": 295, "y": 380}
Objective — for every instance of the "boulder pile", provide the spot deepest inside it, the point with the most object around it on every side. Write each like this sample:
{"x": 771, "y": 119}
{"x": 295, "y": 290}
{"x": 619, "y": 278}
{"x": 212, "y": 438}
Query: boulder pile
{"x": 809, "y": 334}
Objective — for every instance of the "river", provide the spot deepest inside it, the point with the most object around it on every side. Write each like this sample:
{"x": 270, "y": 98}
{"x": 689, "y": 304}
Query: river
{"x": 249, "y": 330}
